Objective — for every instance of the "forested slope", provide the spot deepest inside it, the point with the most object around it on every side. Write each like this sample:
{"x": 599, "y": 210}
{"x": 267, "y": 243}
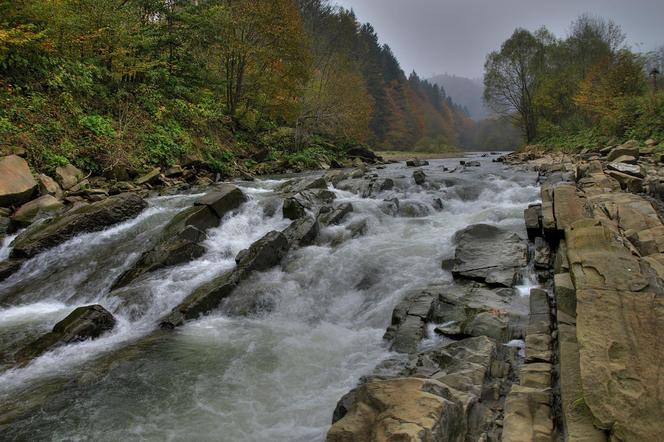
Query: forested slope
{"x": 229, "y": 83}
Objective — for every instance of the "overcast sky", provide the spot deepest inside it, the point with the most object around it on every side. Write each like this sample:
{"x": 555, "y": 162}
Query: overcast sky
{"x": 454, "y": 36}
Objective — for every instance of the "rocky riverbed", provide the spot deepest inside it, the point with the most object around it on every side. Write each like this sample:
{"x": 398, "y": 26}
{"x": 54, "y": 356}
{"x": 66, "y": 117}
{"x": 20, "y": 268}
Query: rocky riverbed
{"x": 396, "y": 302}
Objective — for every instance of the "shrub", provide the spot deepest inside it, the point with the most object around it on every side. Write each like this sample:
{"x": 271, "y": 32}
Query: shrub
{"x": 97, "y": 125}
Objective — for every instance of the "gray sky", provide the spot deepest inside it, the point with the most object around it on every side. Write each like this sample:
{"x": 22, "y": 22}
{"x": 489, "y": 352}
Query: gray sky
{"x": 454, "y": 36}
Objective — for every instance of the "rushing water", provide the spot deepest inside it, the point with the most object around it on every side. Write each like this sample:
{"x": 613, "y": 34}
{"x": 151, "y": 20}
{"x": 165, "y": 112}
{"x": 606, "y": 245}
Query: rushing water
{"x": 274, "y": 374}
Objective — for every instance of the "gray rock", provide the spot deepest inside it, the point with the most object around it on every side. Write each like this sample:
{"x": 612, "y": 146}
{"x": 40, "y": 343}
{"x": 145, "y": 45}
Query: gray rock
{"x": 335, "y": 215}
{"x": 152, "y": 177}
{"x": 417, "y": 163}
{"x": 623, "y": 151}
{"x": 90, "y": 218}
{"x": 420, "y": 177}
{"x": 68, "y": 176}
{"x": 262, "y": 255}
{"x": 302, "y": 232}
{"x": 179, "y": 242}
{"x": 84, "y": 323}
{"x": 408, "y": 321}
{"x": 224, "y": 199}
{"x": 489, "y": 254}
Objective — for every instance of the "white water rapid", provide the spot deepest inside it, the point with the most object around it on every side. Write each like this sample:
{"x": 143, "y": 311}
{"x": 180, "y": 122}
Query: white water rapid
{"x": 272, "y": 375}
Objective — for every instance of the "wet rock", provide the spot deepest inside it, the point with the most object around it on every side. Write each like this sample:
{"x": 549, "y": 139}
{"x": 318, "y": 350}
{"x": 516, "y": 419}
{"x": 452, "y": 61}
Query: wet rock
{"x": 262, "y": 255}
{"x": 17, "y": 186}
{"x": 224, "y": 199}
{"x": 420, "y": 177}
{"x": 533, "y": 218}
{"x": 336, "y": 215}
{"x": 90, "y": 218}
{"x": 473, "y": 164}
{"x": 542, "y": 256}
{"x": 31, "y": 211}
{"x": 408, "y": 321}
{"x": 414, "y": 209}
{"x": 489, "y": 254}
{"x": 9, "y": 266}
{"x": 416, "y": 163}
{"x": 84, "y": 323}
{"x": 180, "y": 241}
{"x": 293, "y": 209}
{"x": 68, "y": 176}
{"x": 303, "y": 232}
{"x": 407, "y": 409}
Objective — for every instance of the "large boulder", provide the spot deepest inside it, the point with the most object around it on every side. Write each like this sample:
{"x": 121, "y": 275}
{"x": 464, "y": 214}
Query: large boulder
{"x": 223, "y": 199}
{"x": 17, "y": 185}
{"x": 82, "y": 324}
{"x": 30, "y": 211}
{"x": 90, "y": 218}
{"x": 489, "y": 254}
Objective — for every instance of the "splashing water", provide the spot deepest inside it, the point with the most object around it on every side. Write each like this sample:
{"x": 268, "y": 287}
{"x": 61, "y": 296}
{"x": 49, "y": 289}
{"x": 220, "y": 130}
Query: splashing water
{"x": 315, "y": 327}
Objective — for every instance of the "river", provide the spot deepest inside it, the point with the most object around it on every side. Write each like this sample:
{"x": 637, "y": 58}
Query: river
{"x": 274, "y": 373}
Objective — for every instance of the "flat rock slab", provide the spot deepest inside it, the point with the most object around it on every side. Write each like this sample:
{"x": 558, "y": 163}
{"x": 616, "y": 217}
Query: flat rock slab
{"x": 621, "y": 358}
{"x": 489, "y": 254}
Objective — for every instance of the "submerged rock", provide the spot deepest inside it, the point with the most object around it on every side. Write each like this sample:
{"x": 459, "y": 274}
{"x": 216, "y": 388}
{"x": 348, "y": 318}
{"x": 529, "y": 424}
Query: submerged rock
{"x": 84, "y": 323}
{"x": 90, "y": 218}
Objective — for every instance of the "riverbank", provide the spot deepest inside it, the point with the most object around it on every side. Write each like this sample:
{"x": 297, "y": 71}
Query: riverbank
{"x": 598, "y": 255}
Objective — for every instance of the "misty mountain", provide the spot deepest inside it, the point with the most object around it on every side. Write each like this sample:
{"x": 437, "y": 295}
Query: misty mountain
{"x": 464, "y": 91}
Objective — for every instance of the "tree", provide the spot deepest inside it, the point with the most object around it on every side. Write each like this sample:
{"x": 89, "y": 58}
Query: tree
{"x": 510, "y": 80}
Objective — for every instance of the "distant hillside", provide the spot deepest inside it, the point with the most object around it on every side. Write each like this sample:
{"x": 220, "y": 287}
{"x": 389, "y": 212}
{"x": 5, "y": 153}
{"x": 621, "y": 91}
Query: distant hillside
{"x": 464, "y": 91}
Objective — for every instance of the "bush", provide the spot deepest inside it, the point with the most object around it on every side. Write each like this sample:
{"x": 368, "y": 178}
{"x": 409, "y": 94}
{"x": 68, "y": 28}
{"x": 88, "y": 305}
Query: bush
{"x": 165, "y": 144}
{"x": 97, "y": 125}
